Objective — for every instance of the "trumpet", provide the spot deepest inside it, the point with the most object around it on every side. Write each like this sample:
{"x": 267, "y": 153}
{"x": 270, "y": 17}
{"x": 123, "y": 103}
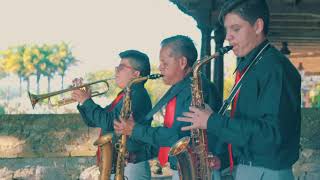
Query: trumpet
{"x": 36, "y": 98}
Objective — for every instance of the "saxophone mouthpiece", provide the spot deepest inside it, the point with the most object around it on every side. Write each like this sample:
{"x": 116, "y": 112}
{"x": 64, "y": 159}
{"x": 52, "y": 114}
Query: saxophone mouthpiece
{"x": 225, "y": 49}
{"x": 155, "y": 76}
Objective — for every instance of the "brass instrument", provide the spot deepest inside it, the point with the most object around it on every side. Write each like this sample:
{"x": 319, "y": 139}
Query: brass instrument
{"x": 121, "y": 145}
{"x": 105, "y": 166}
{"x": 195, "y": 163}
{"x": 36, "y": 98}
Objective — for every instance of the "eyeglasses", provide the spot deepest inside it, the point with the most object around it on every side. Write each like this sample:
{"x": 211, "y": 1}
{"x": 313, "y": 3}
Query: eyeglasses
{"x": 122, "y": 66}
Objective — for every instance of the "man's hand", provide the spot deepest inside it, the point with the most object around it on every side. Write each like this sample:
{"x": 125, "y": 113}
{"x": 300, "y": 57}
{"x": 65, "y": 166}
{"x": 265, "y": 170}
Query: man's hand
{"x": 214, "y": 162}
{"x": 124, "y": 126}
{"x": 197, "y": 117}
{"x": 81, "y": 95}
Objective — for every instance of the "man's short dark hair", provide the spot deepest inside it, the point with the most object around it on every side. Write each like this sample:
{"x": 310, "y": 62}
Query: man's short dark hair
{"x": 138, "y": 60}
{"x": 249, "y": 10}
{"x": 182, "y": 45}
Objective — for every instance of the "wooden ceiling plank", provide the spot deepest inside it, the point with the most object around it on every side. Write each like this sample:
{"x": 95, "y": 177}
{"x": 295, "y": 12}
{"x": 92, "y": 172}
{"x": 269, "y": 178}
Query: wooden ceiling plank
{"x": 286, "y": 14}
{"x": 295, "y": 20}
{"x": 286, "y": 28}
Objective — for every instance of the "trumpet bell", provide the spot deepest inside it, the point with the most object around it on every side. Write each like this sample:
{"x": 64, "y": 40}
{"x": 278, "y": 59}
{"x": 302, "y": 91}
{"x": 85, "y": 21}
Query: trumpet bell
{"x": 33, "y": 99}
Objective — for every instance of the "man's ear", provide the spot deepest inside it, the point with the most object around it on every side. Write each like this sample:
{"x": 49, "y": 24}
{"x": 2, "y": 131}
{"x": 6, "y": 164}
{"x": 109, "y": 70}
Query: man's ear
{"x": 136, "y": 73}
{"x": 259, "y": 26}
{"x": 183, "y": 62}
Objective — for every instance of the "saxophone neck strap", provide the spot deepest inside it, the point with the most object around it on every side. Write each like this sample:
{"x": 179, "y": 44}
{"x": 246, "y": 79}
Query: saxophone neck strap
{"x": 238, "y": 85}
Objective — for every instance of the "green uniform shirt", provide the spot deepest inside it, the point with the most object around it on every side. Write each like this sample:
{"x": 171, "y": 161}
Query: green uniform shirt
{"x": 96, "y": 116}
{"x": 265, "y": 130}
{"x": 163, "y": 136}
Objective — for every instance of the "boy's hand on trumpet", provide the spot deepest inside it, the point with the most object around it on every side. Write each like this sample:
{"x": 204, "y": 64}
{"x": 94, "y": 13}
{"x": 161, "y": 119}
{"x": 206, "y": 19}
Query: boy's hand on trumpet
{"x": 82, "y": 94}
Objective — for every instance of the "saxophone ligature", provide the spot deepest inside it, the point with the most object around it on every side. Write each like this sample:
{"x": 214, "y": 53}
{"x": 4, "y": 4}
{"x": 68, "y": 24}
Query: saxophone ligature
{"x": 192, "y": 152}
{"x": 118, "y": 151}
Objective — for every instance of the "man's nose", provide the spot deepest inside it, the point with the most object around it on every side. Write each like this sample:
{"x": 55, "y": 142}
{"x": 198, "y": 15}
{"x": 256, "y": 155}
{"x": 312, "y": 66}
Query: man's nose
{"x": 116, "y": 72}
{"x": 229, "y": 36}
{"x": 116, "y": 69}
{"x": 160, "y": 67}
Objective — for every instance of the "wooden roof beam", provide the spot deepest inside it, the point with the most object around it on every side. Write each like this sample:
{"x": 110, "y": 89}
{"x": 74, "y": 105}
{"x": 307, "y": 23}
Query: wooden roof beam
{"x": 297, "y": 38}
{"x": 286, "y": 28}
{"x": 294, "y": 15}
{"x": 295, "y": 23}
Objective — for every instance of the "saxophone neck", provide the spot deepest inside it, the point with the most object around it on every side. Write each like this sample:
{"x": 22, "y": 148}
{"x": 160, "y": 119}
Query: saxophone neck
{"x": 220, "y": 52}
{"x": 126, "y": 107}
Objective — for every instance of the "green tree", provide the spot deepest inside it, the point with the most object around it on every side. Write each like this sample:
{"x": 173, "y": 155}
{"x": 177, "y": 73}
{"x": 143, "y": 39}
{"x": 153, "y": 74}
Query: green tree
{"x": 29, "y": 64}
{"x": 28, "y": 60}
{"x": 12, "y": 63}
{"x": 156, "y": 88}
{"x": 2, "y": 110}
{"x": 40, "y": 64}
{"x": 34, "y": 64}
{"x": 21, "y": 71}
{"x": 2, "y": 70}
{"x": 315, "y": 101}
{"x": 49, "y": 62}
{"x": 66, "y": 59}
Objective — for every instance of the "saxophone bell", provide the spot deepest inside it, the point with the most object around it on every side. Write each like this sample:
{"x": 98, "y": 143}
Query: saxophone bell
{"x": 105, "y": 165}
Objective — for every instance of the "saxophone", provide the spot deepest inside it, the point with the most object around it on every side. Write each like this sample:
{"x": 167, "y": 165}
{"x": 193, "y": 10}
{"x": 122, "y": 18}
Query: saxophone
{"x": 105, "y": 166}
{"x": 195, "y": 160}
{"x": 119, "y": 150}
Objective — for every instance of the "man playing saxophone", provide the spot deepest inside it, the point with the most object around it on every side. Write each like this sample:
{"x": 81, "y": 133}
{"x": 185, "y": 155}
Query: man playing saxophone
{"x": 177, "y": 55}
{"x": 133, "y": 64}
{"x": 263, "y": 129}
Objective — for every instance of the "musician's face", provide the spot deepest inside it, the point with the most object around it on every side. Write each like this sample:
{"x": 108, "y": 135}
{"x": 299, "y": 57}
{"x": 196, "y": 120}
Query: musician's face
{"x": 125, "y": 73}
{"x": 171, "y": 66}
{"x": 241, "y": 34}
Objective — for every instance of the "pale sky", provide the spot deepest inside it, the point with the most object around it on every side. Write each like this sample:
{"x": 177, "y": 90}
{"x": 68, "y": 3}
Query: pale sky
{"x": 97, "y": 30}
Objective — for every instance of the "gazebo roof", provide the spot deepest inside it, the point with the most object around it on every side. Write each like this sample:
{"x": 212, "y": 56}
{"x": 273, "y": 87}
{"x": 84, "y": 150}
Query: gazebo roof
{"x": 296, "y": 22}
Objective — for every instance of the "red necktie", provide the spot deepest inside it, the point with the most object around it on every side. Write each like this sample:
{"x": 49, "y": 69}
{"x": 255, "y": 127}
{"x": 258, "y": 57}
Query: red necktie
{"x": 168, "y": 121}
{"x": 113, "y": 104}
{"x": 233, "y": 108}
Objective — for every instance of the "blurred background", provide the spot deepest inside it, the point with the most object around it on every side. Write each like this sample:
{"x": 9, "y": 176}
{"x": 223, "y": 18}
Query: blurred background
{"x": 46, "y": 44}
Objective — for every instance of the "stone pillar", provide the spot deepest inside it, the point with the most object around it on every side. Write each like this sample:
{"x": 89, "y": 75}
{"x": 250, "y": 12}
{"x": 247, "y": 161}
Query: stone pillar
{"x": 218, "y": 77}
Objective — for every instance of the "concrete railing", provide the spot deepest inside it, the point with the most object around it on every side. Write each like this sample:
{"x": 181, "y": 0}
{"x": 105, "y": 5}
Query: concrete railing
{"x": 47, "y": 144}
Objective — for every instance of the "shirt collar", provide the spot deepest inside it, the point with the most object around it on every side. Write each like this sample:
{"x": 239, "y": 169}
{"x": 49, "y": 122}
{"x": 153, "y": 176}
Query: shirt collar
{"x": 185, "y": 80}
{"x": 133, "y": 87}
{"x": 243, "y": 62}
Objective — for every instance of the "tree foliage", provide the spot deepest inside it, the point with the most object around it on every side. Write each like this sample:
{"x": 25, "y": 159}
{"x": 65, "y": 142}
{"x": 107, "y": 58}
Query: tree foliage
{"x": 315, "y": 98}
{"x": 39, "y": 60}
